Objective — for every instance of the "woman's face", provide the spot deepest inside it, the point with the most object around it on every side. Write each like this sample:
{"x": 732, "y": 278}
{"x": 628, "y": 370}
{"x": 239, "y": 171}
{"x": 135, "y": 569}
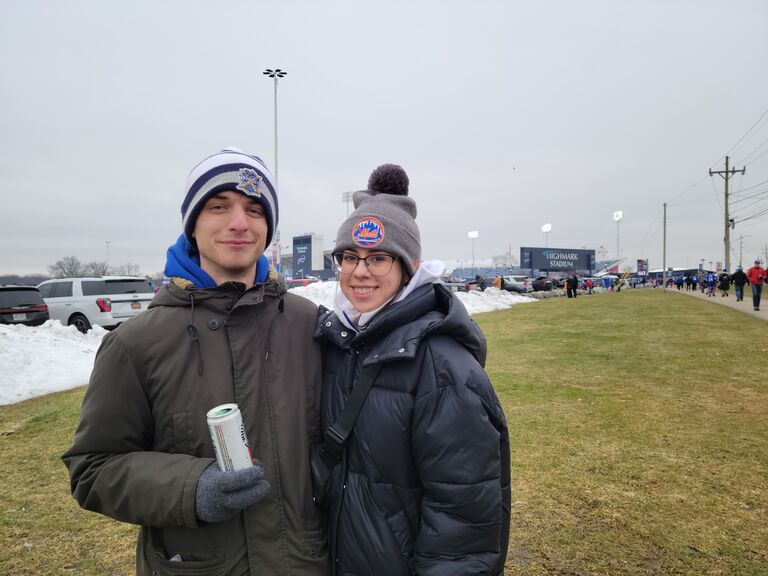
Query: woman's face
{"x": 367, "y": 291}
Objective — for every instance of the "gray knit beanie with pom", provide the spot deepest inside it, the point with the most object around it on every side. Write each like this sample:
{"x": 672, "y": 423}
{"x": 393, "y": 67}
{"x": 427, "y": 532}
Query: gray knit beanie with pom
{"x": 384, "y": 219}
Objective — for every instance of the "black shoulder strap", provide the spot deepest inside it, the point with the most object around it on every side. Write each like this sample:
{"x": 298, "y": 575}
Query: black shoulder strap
{"x": 336, "y": 435}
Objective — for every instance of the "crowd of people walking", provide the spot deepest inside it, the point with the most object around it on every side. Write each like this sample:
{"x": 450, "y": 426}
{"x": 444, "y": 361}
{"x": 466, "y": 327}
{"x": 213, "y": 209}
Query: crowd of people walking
{"x": 712, "y": 282}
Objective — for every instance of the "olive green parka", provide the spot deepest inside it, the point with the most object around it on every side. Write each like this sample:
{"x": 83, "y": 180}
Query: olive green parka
{"x": 143, "y": 439}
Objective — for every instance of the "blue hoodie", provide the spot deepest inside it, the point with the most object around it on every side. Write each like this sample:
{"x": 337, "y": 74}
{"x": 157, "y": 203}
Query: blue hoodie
{"x": 183, "y": 260}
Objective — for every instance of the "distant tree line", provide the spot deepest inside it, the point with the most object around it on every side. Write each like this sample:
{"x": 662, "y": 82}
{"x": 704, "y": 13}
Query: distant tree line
{"x": 72, "y": 267}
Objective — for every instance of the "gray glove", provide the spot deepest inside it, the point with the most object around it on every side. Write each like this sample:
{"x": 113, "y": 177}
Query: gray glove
{"x": 221, "y": 495}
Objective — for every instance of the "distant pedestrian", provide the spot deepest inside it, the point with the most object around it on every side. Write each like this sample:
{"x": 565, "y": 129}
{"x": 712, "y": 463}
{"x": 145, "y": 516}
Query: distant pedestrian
{"x": 711, "y": 283}
{"x": 589, "y": 284}
{"x": 694, "y": 281}
{"x": 571, "y": 285}
{"x": 724, "y": 283}
{"x": 756, "y": 277}
{"x": 688, "y": 283}
{"x": 739, "y": 278}
{"x": 497, "y": 282}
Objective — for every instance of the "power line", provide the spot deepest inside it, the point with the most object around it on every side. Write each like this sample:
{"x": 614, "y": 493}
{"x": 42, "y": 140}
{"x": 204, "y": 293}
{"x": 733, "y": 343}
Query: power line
{"x": 750, "y": 187}
{"x": 743, "y": 209}
{"x": 755, "y": 159}
{"x": 764, "y": 211}
{"x": 747, "y": 132}
{"x": 750, "y": 197}
{"x": 746, "y": 158}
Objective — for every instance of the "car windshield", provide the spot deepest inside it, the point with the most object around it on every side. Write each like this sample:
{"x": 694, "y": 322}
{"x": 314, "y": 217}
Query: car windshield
{"x": 21, "y": 297}
{"x": 123, "y": 286}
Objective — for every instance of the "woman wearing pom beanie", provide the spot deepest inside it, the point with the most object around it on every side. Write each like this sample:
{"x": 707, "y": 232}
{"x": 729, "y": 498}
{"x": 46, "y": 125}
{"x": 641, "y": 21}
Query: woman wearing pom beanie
{"x": 419, "y": 474}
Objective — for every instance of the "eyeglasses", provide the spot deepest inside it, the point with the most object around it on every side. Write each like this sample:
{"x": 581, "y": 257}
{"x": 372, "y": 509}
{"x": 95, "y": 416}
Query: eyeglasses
{"x": 377, "y": 264}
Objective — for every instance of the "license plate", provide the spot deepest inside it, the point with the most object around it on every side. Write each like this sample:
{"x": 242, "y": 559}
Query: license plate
{"x": 19, "y": 317}
{"x": 136, "y": 305}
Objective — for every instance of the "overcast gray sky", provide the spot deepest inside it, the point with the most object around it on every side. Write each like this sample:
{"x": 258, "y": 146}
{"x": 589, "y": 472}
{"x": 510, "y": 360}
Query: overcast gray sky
{"x": 505, "y": 114}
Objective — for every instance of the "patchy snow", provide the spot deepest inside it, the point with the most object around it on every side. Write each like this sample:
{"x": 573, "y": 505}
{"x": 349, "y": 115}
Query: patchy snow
{"x": 39, "y": 360}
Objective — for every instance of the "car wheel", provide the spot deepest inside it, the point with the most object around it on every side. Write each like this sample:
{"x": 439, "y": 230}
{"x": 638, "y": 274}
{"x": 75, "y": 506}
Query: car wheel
{"x": 80, "y": 322}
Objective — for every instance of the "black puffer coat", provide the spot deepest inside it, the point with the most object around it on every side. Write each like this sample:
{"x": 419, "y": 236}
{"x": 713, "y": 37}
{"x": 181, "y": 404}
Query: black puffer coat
{"x": 424, "y": 483}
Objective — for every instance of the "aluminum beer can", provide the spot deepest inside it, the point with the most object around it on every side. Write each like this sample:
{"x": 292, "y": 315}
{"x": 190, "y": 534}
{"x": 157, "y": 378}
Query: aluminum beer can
{"x": 228, "y": 434}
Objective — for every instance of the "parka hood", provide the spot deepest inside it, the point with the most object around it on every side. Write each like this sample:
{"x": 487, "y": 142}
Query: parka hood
{"x": 430, "y": 310}
{"x": 177, "y": 292}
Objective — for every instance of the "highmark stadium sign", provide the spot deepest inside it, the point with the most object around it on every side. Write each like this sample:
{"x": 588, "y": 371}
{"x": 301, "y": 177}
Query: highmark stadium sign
{"x": 564, "y": 259}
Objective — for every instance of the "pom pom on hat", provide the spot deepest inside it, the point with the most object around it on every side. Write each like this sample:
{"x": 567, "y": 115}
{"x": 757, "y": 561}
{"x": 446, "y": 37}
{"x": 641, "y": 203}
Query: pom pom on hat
{"x": 389, "y": 179}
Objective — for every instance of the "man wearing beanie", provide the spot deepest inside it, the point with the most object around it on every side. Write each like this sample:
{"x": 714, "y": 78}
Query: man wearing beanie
{"x": 415, "y": 444}
{"x": 224, "y": 330}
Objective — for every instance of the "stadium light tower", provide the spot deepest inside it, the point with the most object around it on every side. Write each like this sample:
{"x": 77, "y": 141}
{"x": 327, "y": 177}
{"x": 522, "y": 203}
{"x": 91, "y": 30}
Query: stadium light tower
{"x": 618, "y": 216}
{"x": 347, "y": 198}
{"x": 547, "y": 228}
{"x": 472, "y": 235}
{"x": 275, "y": 75}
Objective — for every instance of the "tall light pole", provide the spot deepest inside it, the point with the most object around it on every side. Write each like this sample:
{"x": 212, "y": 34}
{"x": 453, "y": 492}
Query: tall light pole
{"x": 473, "y": 235}
{"x": 741, "y": 246}
{"x": 275, "y": 75}
{"x": 547, "y": 228}
{"x": 347, "y": 198}
{"x": 107, "y": 242}
{"x": 617, "y": 216}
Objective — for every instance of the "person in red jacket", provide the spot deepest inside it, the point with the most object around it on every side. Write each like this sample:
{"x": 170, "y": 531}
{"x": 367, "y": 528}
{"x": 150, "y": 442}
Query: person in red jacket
{"x": 756, "y": 277}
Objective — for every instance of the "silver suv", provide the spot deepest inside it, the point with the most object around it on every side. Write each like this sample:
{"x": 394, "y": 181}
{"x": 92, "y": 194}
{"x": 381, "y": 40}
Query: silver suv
{"x": 106, "y": 301}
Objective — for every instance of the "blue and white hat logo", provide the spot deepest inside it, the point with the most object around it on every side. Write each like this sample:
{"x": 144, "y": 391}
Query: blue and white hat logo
{"x": 368, "y": 232}
{"x": 251, "y": 183}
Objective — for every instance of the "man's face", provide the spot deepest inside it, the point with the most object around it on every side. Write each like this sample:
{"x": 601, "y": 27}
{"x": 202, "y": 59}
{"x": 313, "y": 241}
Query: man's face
{"x": 231, "y": 233}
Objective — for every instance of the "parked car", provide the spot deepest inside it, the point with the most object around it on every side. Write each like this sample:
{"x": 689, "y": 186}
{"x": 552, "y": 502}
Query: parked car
{"x": 22, "y": 305}
{"x": 519, "y": 284}
{"x": 541, "y": 283}
{"x": 106, "y": 301}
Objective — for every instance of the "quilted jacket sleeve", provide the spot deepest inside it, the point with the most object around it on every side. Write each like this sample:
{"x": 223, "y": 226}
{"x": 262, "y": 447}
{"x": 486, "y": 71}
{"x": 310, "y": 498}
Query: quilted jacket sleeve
{"x": 461, "y": 448}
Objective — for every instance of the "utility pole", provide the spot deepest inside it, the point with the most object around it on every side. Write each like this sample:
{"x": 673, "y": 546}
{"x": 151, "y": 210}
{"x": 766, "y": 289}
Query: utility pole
{"x": 664, "y": 252}
{"x": 726, "y": 174}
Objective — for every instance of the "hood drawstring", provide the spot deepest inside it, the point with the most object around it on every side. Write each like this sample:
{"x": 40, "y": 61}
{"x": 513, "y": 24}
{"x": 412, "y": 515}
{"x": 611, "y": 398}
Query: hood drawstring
{"x": 281, "y": 305}
{"x": 194, "y": 335}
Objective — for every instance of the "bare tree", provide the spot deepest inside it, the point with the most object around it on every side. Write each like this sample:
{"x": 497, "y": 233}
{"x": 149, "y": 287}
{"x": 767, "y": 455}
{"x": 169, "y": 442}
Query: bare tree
{"x": 96, "y": 269}
{"x": 67, "y": 267}
{"x": 126, "y": 269}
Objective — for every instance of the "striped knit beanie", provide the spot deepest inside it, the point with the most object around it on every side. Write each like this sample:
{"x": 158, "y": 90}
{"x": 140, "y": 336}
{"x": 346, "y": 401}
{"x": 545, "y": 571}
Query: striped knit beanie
{"x": 231, "y": 169}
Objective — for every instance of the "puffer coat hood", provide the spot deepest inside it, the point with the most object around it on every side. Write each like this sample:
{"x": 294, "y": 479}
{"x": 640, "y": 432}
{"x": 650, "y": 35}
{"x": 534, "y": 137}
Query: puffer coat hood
{"x": 398, "y": 331}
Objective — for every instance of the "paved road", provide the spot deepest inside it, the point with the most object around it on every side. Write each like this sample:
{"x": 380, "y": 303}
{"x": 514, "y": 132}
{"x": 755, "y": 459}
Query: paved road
{"x": 730, "y": 301}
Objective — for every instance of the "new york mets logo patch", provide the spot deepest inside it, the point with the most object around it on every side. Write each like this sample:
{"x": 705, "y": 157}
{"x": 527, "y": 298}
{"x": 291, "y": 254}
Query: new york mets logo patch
{"x": 368, "y": 232}
{"x": 250, "y": 182}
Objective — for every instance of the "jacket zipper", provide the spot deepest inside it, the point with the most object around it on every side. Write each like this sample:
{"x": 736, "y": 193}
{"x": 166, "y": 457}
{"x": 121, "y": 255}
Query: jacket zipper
{"x": 344, "y": 471}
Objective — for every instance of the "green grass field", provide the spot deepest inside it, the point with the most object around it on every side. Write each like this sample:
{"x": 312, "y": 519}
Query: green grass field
{"x": 639, "y": 429}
